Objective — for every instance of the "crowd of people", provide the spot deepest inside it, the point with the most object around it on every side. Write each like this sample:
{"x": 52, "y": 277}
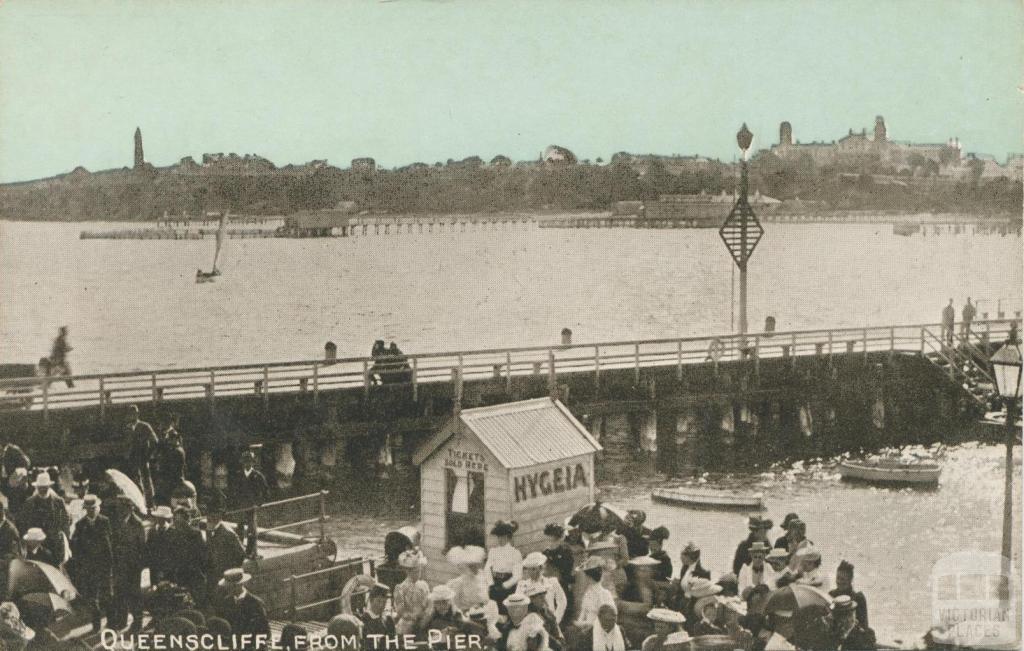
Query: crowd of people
{"x": 608, "y": 585}
{"x": 104, "y": 542}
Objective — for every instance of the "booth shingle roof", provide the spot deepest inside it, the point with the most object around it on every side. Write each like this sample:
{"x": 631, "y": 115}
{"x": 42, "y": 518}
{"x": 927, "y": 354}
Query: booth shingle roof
{"x": 524, "y": 433}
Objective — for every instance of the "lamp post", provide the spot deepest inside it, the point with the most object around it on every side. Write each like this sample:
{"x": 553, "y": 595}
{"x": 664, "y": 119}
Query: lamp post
{"x": 1006, "y": 365}
{"x": 741, "y": 231}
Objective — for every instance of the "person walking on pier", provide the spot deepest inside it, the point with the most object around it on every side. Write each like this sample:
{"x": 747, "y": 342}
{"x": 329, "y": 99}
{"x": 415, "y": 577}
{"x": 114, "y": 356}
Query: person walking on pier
{"x": 92, "y": 560}
{"x": 968, "y": 316}
{"x": 58, "y": 363}
{"x": 948, "y": 323}
{"x": 252, "y": 492}
{"x": 46, "y": 511}
{"x": 142, "y": 446}
{"x": 128, "y": 550}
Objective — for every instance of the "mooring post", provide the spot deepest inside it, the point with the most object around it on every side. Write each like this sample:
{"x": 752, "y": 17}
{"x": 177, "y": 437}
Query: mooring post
{"x": 636, "y": 364}
{"x": 508, "y": 373}
{"x": 552, "y": 378}
{"x": 415, "y": 380}
{"x": 323, "y": 516}
{"x": 457, "y": 390}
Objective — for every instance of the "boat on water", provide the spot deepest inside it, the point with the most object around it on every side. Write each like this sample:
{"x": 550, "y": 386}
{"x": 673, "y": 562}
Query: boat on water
{"x": 209, "y": 276}
{"x": 885, "y": 470}
{"x": 703, "y": 498}
{"x": 906, "y": 229}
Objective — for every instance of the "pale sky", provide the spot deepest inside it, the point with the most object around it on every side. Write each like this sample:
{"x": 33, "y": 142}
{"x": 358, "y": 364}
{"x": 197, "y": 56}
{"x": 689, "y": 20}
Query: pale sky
{"x": 408, "y": 81}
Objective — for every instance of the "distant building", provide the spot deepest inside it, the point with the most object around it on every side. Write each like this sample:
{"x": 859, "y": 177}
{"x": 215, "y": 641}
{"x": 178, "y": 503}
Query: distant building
{"x": 555, "y": 155}
{"x": 140, "y": 160}
{"x": 501, "y": 161}
{"x": 364, "y": 165}
{"x": 860, "y": 149}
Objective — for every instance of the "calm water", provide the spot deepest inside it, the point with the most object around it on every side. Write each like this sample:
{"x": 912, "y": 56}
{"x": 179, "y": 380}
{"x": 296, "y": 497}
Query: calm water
{"x": 134, "y": 304}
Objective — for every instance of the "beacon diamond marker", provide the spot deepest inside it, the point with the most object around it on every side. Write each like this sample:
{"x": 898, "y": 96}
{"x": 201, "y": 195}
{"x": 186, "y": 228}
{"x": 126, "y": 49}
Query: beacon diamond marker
{"x": 741, "y": 232}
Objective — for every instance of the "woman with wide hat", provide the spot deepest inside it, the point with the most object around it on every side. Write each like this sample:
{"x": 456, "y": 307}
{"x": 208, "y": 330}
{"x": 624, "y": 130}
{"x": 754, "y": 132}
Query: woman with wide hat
{"x": 666, "y": 623}
{"x": 504, "y": 556}
{"x": 411, "y": 597}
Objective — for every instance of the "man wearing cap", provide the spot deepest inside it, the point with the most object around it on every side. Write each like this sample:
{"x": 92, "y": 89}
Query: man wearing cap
{"x": 375, "y": 622}
{"x": 533, "y": 579}
{"x": 128, "y": 552}
{"x": 782, "y": 542}
{"x": 411, "y": 597}
{"x": 224, "y": 549}
{"x": 46, "y": 510}
{"x": 10, "y": 539}
{"x": 252, "y": 492}
{"x": 757, "y": 572}
{"x": 142, "y": 444}
{"x": 847, "y": 633}
{"x": 537, "y": 593}
{"x": 844, "y": 586}
{"x": 244, "y": 610}
{"x": 91, "y": 559}
{"x": 758, "y": 532}
{"x": 635, "y": 533}
{"x": 187, "y": 556}
{"x": 158, "y": 550}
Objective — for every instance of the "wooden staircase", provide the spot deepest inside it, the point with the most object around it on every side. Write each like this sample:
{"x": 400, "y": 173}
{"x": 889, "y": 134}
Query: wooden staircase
{"x": 965, "y": 362}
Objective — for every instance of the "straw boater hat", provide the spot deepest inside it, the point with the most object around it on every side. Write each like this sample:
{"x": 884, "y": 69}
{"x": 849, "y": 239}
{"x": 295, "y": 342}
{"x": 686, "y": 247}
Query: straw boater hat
{"x": 536, "y": 588}
{"x": 411, "y": 558}
{"x": 593, "y": 563}
{"x": 678, "y": 640}
{"x": 666, "y": 616}
{"x": 759, "y": 547}
{"x": 162, "y": 513}
{"x": 516, "y": 599}
{"x": 808, "y": 553}
{"x": 644, "y": 561}
{"x": 601, "y": 546}
{"x": 777, "y": 553}
{"x": 843, "y": 604}
{"x": 734, "y": 604}
{"x": 703, "y": 588}
{"x": 35, "y": 534}
{"x": 477, "y": 613}
{"x": 234, "y": 577}
{"x": 43, "y": 479}
{"x": 442, "y": 592}
{"x": 535, "y": 559}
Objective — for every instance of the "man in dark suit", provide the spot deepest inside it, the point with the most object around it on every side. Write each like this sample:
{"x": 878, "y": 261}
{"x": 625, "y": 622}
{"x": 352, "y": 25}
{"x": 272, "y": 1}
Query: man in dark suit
{"x": 224, "y": 549}
{"x": 187, "y": 560}
{"x": 375, "y": 622}
{"x": 142, "y": 444}
{"x": 848, "y": 633}
{"x": 45, "y": 510}
{"x": 758, "y": 529}
{"x": 10, "y": 539}
{"x": 244, "y": 610}
{"x": 128, "y": 547}
{"x": 844, "y": 586}
{"x": 252, "y": 492}
{"x": 92, "y": 561}
{"x": 170, "y": 465}
{"x": 158, "y": 550}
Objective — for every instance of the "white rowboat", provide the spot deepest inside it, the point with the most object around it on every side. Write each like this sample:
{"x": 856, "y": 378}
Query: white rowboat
{"x": 708, "y": 499}
{"x": 892, "y": 472}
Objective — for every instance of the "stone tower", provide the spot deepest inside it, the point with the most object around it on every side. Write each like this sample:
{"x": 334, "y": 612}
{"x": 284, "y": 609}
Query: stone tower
{"x": 880, "y": 135}
{"x": 139, "y": 159}
{"x": 785, "y": 134}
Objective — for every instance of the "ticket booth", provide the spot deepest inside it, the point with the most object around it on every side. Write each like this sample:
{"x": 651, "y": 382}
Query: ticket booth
{"x": 528, "y": 461}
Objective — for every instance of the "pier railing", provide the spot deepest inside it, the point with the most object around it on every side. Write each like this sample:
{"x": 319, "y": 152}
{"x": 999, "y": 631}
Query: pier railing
{"x": 313, "y": 377}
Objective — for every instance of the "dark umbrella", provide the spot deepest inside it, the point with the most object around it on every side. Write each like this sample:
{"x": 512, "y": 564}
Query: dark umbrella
{"x": 25, "y": 577}
{"x": 43, "y": 606}
{"x": 795, "y": 596}
{"x": 596, "y": 517}
{"x": 811, "y": 628}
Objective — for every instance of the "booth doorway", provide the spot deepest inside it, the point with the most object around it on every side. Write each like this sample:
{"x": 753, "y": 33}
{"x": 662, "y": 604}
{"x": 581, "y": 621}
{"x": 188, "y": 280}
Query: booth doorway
{"x": 464, "y": 509}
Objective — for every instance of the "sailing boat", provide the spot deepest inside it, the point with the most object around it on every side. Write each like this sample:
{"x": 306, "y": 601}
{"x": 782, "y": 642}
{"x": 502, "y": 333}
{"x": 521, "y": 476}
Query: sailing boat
{"x": 207, "y": 277}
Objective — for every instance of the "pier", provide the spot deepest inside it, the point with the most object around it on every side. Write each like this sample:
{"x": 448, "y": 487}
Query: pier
{"x": 813, "y": 391}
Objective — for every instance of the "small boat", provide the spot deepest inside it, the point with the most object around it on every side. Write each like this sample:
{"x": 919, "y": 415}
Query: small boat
{"x": 708, "y": 498}
{"x": 905, "y": 229}
{"x": 891, "y": 471}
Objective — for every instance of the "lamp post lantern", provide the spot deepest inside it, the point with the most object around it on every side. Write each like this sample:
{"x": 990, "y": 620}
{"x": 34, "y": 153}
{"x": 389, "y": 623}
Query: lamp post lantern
{"x": 1006, "y": 366}
{"x": 741, "y": 231}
